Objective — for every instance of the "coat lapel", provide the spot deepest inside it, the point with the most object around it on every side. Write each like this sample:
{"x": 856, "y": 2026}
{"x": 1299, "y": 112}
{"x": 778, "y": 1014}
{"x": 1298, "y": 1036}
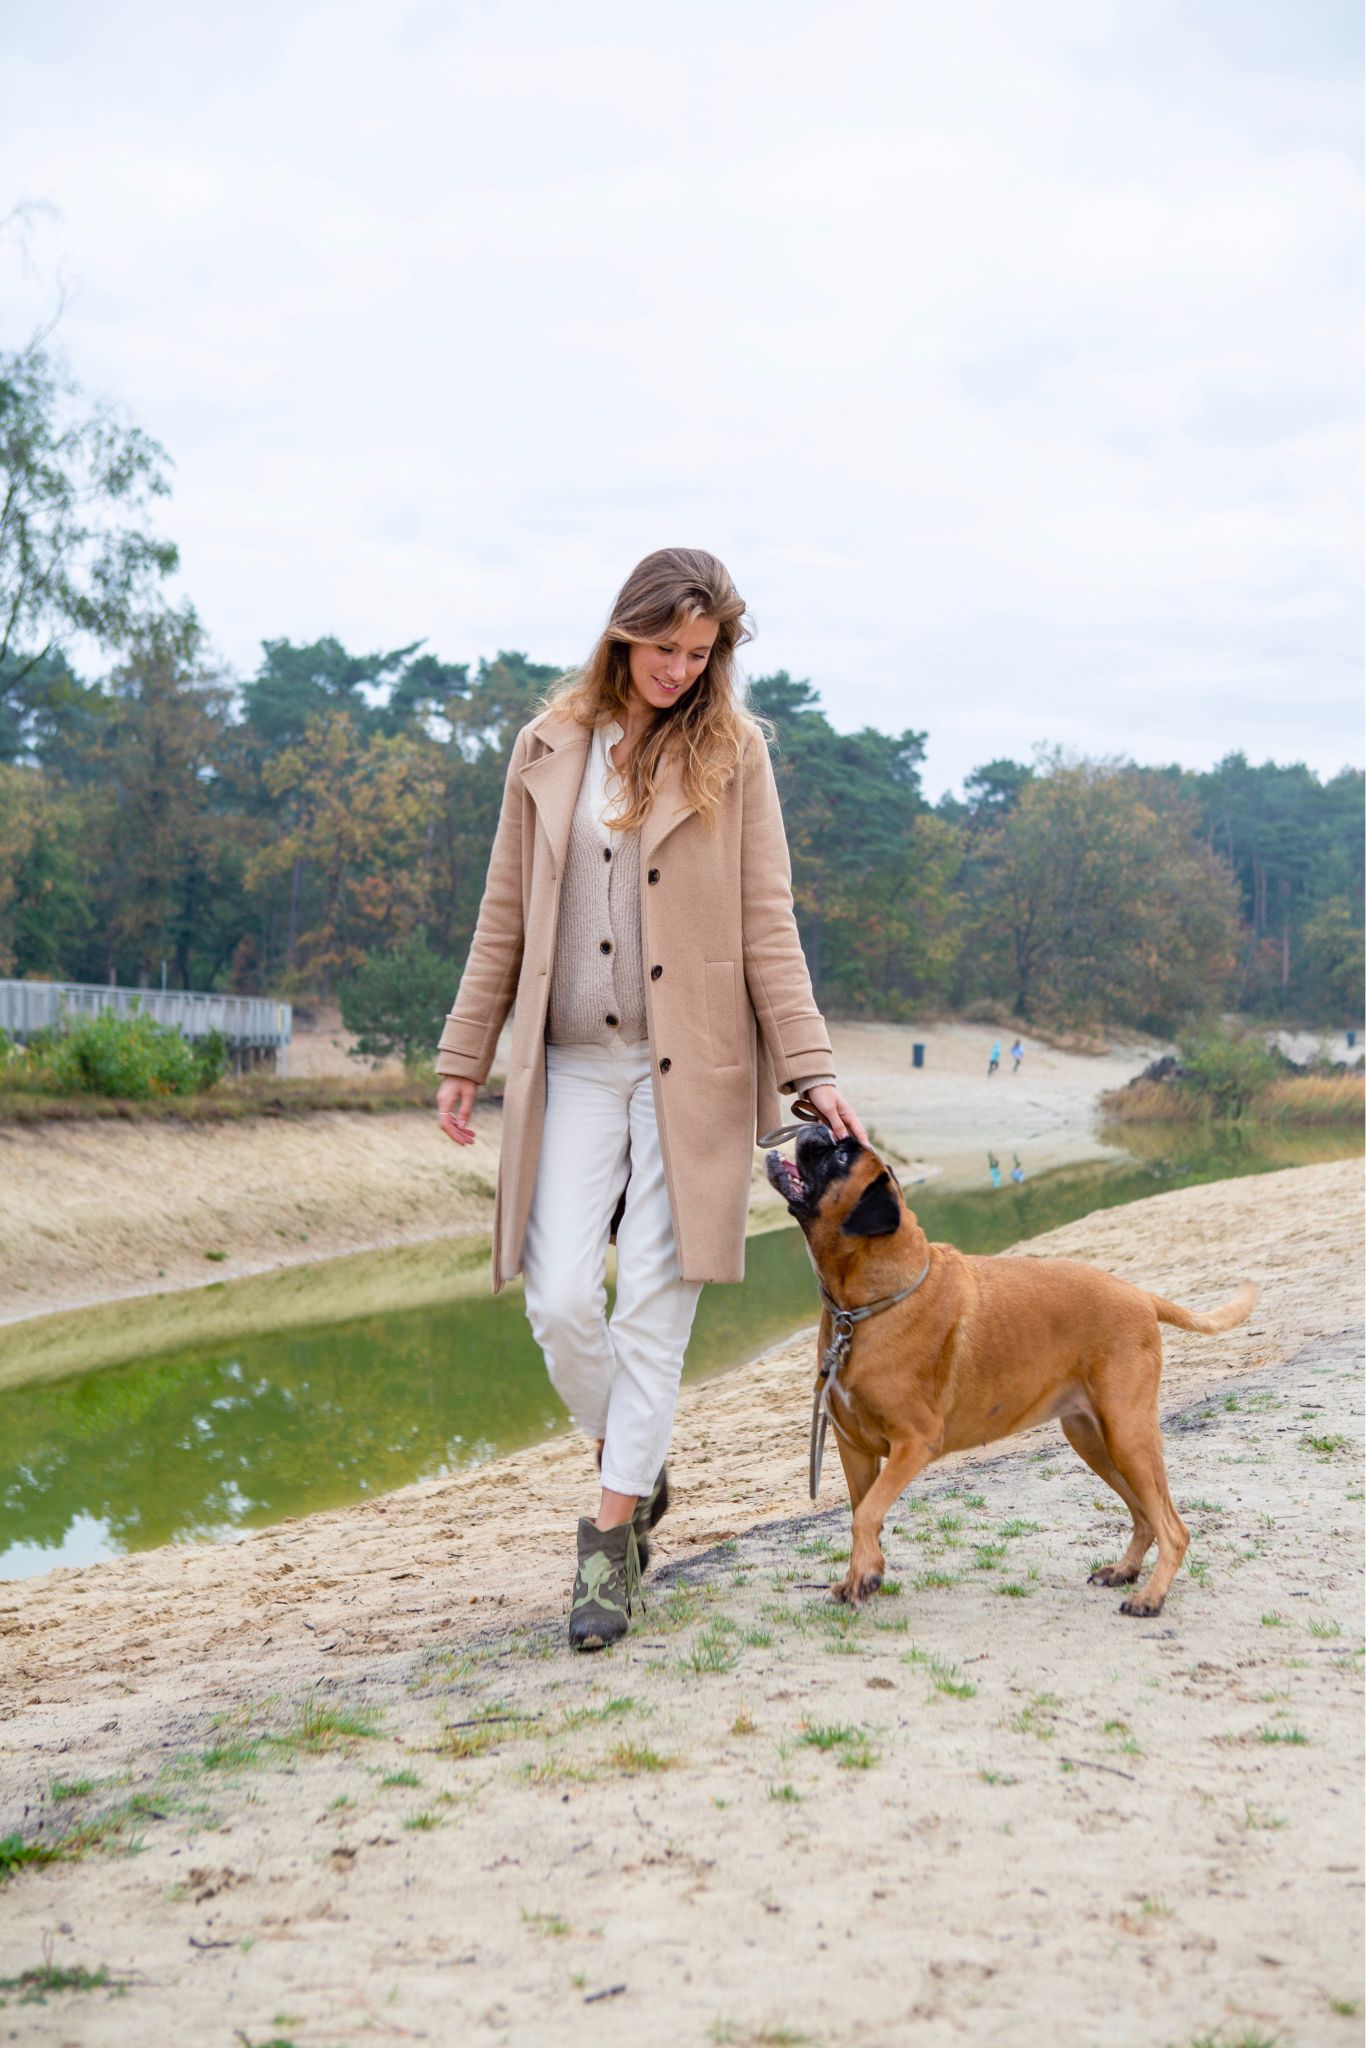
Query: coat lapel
{"x": 669, "y": 808}
{"x": 552, "y": 779}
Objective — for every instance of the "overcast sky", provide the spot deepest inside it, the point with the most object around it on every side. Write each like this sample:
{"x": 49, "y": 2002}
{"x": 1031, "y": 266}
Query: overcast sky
{"x": 1007, "y": 353}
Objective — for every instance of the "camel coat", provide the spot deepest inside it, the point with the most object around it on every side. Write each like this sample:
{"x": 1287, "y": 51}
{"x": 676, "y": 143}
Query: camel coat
{"x": 732, "y": 1019}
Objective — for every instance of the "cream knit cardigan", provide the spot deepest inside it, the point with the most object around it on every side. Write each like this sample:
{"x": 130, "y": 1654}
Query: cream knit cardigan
{"x": 597, "y": 987}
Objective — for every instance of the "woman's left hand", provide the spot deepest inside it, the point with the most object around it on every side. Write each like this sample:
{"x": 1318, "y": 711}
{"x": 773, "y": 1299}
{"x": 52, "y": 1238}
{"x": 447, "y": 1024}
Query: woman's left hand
{"x": 837, "y": 1113}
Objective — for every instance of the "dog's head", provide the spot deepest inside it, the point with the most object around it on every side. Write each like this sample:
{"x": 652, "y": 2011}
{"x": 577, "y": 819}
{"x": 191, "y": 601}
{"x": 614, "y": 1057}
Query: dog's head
{"x": 840, "y": 1192}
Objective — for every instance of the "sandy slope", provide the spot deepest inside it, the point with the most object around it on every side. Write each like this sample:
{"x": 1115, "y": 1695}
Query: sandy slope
{"x": 98, "y": 1212}
{"x": 1052, "y": 1823}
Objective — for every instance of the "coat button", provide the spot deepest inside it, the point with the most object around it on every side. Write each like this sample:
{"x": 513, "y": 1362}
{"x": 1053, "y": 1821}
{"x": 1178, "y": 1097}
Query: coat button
{"x": 607, "y": 853}
{"x": 612, "y": 1021}
{"x": 664, "y": 1066}
{"x": 604, "y": 945}
{"x": 653, "y": 875}
{"x": 655, "y": 973}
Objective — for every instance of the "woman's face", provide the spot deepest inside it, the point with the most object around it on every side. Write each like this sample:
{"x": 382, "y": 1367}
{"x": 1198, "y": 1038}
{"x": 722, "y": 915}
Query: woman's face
{"x": 663, "y": 672}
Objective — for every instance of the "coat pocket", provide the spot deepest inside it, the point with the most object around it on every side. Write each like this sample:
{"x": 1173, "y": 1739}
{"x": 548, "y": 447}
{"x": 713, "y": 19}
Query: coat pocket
{"x": 722, "y": 1023}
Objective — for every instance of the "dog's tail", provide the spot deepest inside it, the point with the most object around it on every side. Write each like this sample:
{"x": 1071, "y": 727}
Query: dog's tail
{"x": 1226, "y": 1318}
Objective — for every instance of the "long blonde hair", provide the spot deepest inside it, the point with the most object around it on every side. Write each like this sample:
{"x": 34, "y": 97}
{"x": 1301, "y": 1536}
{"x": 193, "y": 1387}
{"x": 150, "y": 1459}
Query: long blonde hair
{"x": 707, "y": 728}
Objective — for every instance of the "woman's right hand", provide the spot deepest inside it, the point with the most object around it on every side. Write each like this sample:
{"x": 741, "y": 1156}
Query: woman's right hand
{"x": 454, "y": 1108}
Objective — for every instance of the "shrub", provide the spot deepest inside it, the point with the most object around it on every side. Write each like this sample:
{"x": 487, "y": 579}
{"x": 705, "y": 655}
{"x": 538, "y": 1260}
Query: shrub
{"x": 129, "y": 1056}
{"x": 397, "y": 1002}
{"x": 1227, "y": 1071}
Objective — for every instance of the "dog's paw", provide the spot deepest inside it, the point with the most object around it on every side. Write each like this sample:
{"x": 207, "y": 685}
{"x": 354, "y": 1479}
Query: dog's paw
{"x": 1140, "y": 1605}
{"x": 855, "y": 1588}
{"x": 1111, "y": 1575}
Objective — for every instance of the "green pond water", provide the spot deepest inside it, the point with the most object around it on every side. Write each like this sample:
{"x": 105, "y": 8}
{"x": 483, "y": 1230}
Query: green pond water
{"x": 204, "y": 1443}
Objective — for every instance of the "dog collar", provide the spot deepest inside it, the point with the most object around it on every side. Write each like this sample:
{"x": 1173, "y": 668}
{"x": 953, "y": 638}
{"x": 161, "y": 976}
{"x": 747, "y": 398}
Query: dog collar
{"x": 836, "y": 1352}
{"x": 845, "y": 1318}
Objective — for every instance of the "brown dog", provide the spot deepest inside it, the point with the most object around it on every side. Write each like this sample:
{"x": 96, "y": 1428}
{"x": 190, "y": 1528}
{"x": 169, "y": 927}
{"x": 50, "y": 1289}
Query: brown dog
{"x": 978, "y": 1349}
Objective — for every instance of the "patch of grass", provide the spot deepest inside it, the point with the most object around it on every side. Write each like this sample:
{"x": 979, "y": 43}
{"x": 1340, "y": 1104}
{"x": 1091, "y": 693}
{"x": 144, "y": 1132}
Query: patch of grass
{"x": 996, "y": 1777}
{"x": 1325, "y": 1630}
{"x": 785, "y": 1794}
{"x": 322, "y": 1727}
{"x": 1013, "y": 1590}
{"x": 1015, "y": 1528}
{"x": 1031, "y": 1721}
{"x": 1294, "y": 1737}
{"x": 757, "y": 1638}
{"x": 341, "y": 1802}
{"x": 1325, "y": 1446}
{"x": 394, "y": 1780}
{"x": 680, "y": 1606}
{"x": 460, "y": 1744}
{"x": 1246, "y": 2037}
{"x": 552, "y": 1924}
{"x": 631, "y": 1758}
{"x": 934, "y": 1582}
{"x": 74, "y": 1788}
{"x": 1252, "y": 1819}
{"x": 1274, "y": 1620}
{"x": 944, "y": 1677}
{"x": 34, "y": 1987}
{"x": 744, "y": 1724}
{"x": 1345, "y": 2008}
{"x": 610, "y": 1710}
{"x": 711, "y": 1655}
{"x": 422, "y": 1823}
{"x": 851, "y": 1746}
{"x": 987, "y": 1556}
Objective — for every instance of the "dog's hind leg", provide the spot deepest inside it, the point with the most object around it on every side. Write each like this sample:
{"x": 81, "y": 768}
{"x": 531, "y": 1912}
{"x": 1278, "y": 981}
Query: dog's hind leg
{"x": 1125, "y": 1398}
{"x": 904, "y": 1460}
{"x": 1084, "y": 1434}
{"x": 1134, "y": 1441}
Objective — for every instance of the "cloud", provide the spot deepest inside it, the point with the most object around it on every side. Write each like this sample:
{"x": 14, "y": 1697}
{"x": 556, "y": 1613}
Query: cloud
{"x": 1009, "y": 357}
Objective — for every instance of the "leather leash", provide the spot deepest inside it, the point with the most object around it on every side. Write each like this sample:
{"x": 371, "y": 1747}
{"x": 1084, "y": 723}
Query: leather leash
{"x": 805, "y": 1111}
{"x": 844, "y": 1321}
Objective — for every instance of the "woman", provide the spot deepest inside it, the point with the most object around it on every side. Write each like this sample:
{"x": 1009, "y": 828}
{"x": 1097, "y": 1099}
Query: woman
{"x": 638, "y": 915}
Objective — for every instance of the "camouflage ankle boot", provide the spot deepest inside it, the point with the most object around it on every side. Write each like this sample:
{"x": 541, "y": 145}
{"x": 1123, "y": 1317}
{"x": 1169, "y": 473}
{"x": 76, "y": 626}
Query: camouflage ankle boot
{"x": 649, "y": 1509}
{"x": 607, "y": 1580}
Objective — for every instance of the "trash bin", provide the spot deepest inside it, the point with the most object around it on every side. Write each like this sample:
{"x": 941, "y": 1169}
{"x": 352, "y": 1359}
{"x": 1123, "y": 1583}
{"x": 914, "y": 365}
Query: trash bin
{"x": 1351, "y": 1041}
{"x": 918, "y": 1054}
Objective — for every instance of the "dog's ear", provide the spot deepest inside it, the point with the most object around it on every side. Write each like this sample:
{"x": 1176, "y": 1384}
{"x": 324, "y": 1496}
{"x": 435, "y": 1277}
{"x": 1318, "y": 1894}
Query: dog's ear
{"x": 876, "y": 1213}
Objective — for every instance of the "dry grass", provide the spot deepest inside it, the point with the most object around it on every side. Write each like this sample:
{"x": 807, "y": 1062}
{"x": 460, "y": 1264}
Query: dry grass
{"x": 1299, "y": 1099}
{"x": 251, "y": 1095}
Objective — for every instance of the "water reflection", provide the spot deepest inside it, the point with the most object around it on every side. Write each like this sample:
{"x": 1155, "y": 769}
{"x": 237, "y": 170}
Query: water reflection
{"x": 204, "y": 1443}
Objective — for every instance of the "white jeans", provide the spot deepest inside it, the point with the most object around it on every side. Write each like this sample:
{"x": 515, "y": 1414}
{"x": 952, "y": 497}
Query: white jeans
{"x": 620, "y": 1380}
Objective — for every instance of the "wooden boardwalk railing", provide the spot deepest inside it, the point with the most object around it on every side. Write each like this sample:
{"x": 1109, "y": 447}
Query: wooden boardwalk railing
{"x": 251, "y": 1025}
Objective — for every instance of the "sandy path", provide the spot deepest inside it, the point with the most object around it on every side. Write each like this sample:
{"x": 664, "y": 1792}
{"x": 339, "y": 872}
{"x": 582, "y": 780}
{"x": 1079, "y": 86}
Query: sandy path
{"x": 99, "y": 1212}
{"x": 1045, "y": 1808}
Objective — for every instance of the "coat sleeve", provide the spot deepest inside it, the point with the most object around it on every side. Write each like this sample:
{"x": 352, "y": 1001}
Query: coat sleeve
{"x": 775, "y": 967}
{"x": 489, "y": 983}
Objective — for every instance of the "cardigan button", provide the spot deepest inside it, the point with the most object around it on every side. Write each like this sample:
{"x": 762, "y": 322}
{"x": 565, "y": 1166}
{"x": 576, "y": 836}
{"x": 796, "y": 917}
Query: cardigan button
{"x": 604, "y": 945}
{"x": 664, "y": 1066}
{"x": 613, "y": 1021}
{"x": 607, "y": 853}
{"x": 653, "y": 875}
{"x": 655, "y": 973}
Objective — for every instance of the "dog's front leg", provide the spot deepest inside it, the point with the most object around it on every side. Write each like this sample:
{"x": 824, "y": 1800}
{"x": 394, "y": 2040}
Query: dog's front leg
{"x": 866, "y": 1564}
{"x": 860, "y": 1471}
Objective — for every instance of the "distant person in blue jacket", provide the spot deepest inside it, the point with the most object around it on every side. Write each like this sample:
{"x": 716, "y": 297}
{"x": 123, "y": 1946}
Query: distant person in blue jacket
{"x": 995, "y": 1060}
